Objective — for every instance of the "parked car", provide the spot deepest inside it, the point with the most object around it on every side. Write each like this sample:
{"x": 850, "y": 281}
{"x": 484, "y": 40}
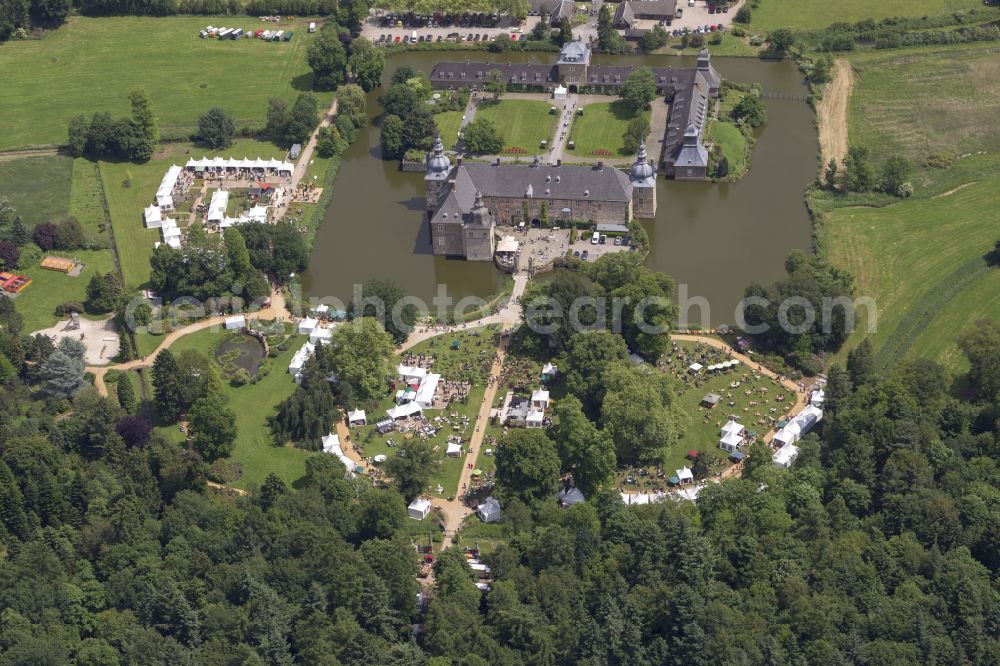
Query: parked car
{"x": 576, "y": 253}
{"x": 397, "y": 39}
{"x": 721, "y": 28}
{"x": 604, "y": 239}
{"x": 595, "y": 238}
{"x": 586, "y": 253}
{"x": 618, "y": 240}
{"x": 381, "y": 38}
{"x": 440, "y": 38}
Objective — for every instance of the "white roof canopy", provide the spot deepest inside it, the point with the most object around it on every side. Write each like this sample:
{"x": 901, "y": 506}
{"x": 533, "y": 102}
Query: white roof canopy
{"x": 730, "y": 441}
{"x": 357, "y": 416}
{"x": 232, "y": 163}
{"x": 508, "y": 244}
{"x": 403, "y": 411}
{"x": 732, "y": 427}
{"x": 331, "y": 445}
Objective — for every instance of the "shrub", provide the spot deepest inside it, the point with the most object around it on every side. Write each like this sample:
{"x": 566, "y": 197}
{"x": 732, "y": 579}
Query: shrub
{"x": 66, "y": 308}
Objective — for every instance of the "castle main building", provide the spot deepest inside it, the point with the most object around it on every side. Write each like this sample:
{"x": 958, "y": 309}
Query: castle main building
{"x": 466, "y": 202}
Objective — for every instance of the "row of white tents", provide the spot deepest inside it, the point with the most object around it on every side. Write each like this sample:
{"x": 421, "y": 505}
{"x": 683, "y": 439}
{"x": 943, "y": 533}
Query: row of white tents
{"x": 165, "y": 192}
{"x": 230, "y": 163}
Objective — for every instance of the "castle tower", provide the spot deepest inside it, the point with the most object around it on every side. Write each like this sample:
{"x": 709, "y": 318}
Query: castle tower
{"x": 438, "y": 172}
{"x": 478, "y": 232}
{"x": 707, "y": 74}
{"x": 642, "y": 176}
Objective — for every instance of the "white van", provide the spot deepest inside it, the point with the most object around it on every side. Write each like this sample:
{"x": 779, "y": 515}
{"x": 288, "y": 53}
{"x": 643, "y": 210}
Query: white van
{"x": 595, "y": 238}
{"x": 312, "y": 27}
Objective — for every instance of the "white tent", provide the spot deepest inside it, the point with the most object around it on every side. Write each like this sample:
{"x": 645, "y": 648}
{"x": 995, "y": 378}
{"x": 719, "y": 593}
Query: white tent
{"x": 410, "y": 373}
{"x": 307, "y": 325}
{"x": 320, "y": 335}
{"x": 732, "y": 427}
{"x": 164, "y": 192}
{"x": 428, "y": 387}
{"x": 331, "y": 445}
{"x": 784, "y": 437}
{"x": 570, "y": 497}
{"x": 685, "y": 475}
{"x": 508, "y": 244}
{"x": 549, "y": 371}
{"x": 235, "y": 323}
{"x": 419, "y": 508}
{"x": 217, "y": 206}
{"x": 817, "y": 398}
{"x": 301, "y": 356}
{"x": 489, "y": 511}
{"x": 404, "y": 411}
{"x": 152, "y": 217}
{"x": 255, "y": 214}
{"x": 357, "y": 417}
{"x": 641, "y": 498}
{"x": 690, "y": 493}
{"x": 695, "y": 368}
{"x": 784, "y": 456}
{"x": 540, "y": 399}
{"x": 535, "y": 419}
{"x": 454, "y": 450}
{"x": 794, "y": 429}
{"x": 559, "y": 92}
{"x": 730, "y": 442}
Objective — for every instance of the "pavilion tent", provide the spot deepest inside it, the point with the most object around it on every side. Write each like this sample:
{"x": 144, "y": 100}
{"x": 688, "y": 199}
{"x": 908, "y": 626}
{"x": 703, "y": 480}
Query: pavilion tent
{"x": 570, "y": 497}
{"x": 535, "y": 419}
{"x": 732, "y": 427}
{"x": 357, "y": 417}
{"x": 508, "y": 244}
{"x": 428, "y": 387}
{"x": 404, "y": 411}
{"x": 784, "y": 456}
{"x": 730, "y": 442}
{"x": 331, "y": 445}
{"x": 489, "y": 511}
{"x": 454, "y": 450}
{"x": 685, "y": 475}
{"x": 695, "y": 368}
{"x": 152, "y": 217}
{"x": 784, "y": 437}
{"x": 307, "y": 325}
{"x": 559, "y": 92}
{"x": 409, "y": 373}
{"x": 236, "y": 322}
{"x": 419, "y": 508}
{"x": 320, "y": 335}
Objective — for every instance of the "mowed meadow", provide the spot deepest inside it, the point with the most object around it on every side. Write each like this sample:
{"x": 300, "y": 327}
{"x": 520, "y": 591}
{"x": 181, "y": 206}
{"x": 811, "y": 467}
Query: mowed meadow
{"x": 90, "y": 64}
{"x": 924, "y": 260}
{"x": 813, "y": 14}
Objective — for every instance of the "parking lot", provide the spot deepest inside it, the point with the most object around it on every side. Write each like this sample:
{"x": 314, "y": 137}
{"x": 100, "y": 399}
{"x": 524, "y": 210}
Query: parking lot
{"x": 698, "y": 16}
{"x": 594, "y": 251}
{"x": 374, "y": 29}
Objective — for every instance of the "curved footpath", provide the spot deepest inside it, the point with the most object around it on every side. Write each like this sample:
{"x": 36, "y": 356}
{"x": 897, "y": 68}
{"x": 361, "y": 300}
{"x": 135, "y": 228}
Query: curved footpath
{"x": 454, "y": 511}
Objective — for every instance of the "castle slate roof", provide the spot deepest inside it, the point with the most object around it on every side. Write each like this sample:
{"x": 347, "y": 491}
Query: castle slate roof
{"x": 574, "y": 52}
{"x": 557, "y": 9}
{"x": 549, "y": 182}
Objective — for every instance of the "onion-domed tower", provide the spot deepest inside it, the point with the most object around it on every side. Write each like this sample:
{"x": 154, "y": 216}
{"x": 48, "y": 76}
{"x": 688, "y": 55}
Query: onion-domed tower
{"x": 642, "y": 176}
{"x": 438, "y": 171}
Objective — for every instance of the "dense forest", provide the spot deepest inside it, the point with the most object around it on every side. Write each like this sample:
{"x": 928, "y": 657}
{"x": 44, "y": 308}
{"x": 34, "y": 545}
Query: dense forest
{"x": 878, "y": 547}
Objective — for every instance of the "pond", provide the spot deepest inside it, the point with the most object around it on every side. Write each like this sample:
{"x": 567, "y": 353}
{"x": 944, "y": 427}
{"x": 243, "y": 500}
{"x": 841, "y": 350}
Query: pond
{"x": 243, "y": 351}
{"x": 713, "y": 239}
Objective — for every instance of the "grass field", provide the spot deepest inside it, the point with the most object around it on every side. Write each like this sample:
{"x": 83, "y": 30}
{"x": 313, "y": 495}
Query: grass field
{"x": 48, "y": 289}
{"x": 921, "y": 262}
{"x": 522, "y": 123}
{"x": 728, "y": 46}
{"x": 38, "y": 187}
{"x": 600, "y": 128}
{"x": 728, "y": 137}
{"x": 813, "y": 14}
{"x": 86, "y": 202}
{"x": 448, "y": 123}
{"x": 916, "y": 104}
{"x": 252, "y": 404}
{"x": 90, "y": 64}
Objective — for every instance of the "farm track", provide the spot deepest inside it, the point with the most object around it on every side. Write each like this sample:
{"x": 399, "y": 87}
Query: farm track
{"x": 10, "y": 155}
{"x": 831, "y": 113}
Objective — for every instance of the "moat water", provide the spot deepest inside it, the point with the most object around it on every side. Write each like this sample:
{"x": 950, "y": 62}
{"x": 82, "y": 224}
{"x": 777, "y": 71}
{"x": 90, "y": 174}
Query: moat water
{"x": 713, "y": 238}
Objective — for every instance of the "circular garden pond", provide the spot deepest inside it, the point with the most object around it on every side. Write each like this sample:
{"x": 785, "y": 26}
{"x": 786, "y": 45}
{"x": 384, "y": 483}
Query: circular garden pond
{"x": 240, "y": 352}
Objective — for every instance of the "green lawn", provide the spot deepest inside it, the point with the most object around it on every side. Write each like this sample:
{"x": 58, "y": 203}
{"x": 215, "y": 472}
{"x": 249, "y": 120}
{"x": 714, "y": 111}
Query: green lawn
{"x": 38, "y": 187}
{"x": 729, "y": 45}
{"x": 600, "y": 128}
{"x": 48, "y": 289}
{"x": 90, "y": 64}
{"x": 522, "y": 123}
{"x": 86, "y": 202}
{"x": 252, "y": 404}
{"x": 730, "y": 139}
{"x": 919, "y": 103}
{"x": 448, "y": 123}
{"x": 813, "y": 14}
{"x": 921, "y": 260}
